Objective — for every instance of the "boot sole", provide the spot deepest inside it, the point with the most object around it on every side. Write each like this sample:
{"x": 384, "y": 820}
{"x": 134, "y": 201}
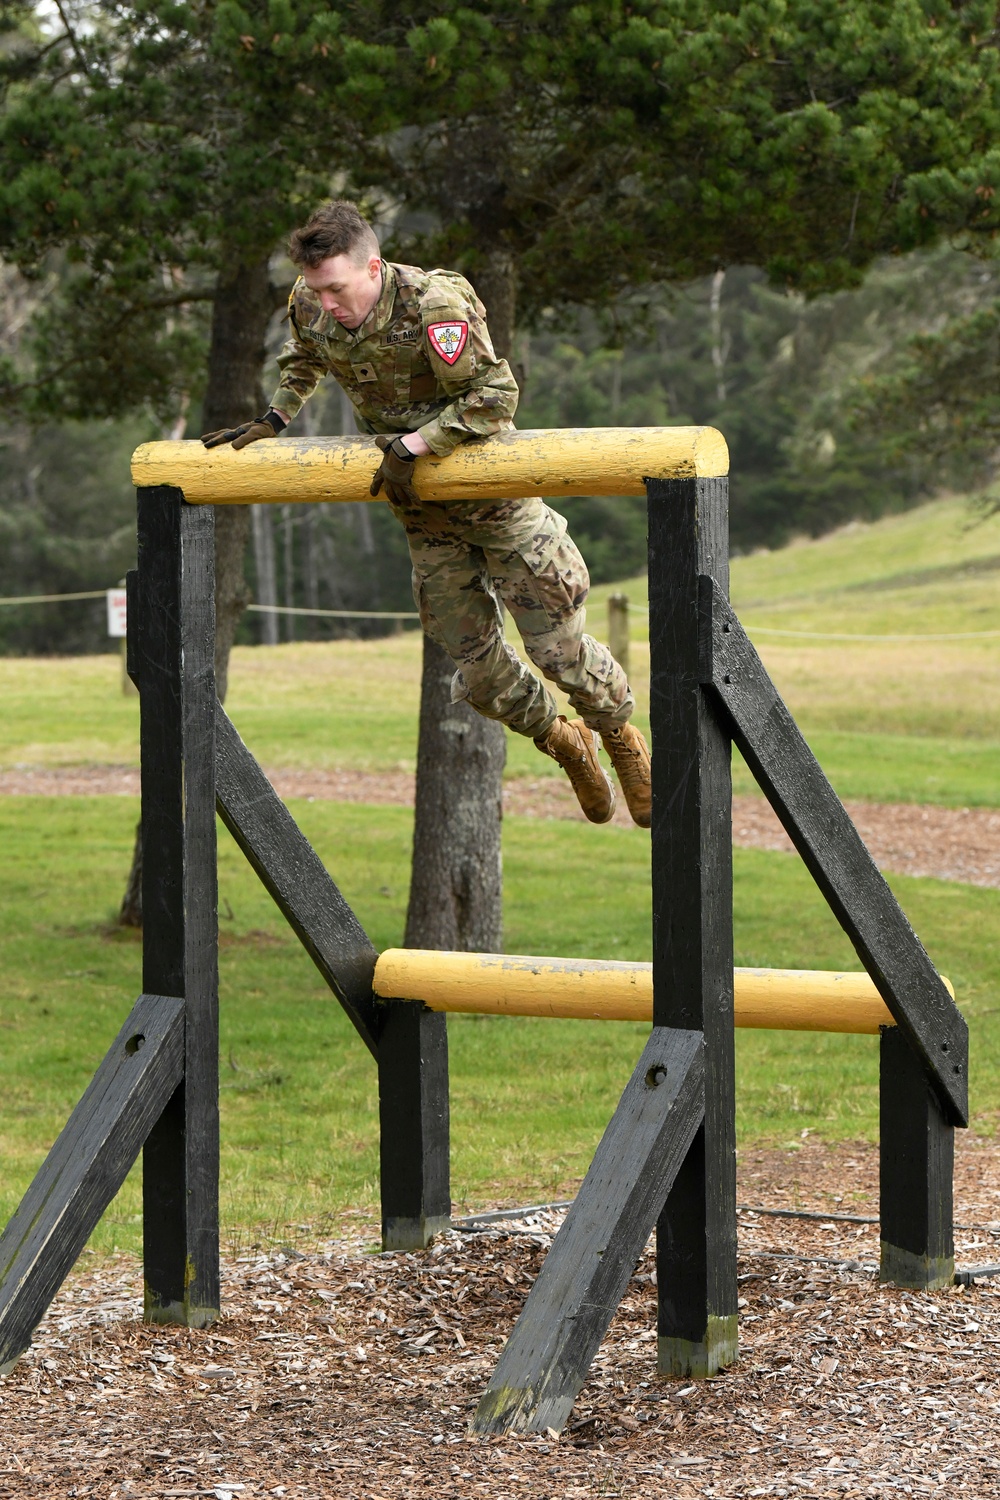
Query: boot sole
{"x": 614, "y": 801}
{"x": 640, "y": 822}
{"x": 607, "y": 782}
{"x": 646, "y": 822}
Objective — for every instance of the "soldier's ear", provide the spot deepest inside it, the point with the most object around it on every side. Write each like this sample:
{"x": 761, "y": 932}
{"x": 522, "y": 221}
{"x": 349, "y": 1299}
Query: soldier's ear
{"x": 374, "y": 266}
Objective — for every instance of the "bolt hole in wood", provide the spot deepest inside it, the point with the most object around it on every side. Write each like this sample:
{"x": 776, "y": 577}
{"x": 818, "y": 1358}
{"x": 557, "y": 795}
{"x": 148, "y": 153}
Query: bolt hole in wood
{"x": 655, "y": 1075}
{"x": 134, "y": 1043}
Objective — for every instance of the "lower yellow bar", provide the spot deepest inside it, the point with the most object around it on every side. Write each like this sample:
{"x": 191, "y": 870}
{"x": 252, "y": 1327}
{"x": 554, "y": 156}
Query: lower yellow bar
{"x": 595, "y": 990}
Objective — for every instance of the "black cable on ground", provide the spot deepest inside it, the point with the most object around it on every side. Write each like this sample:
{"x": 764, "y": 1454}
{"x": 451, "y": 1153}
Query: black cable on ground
{"x": 967, "y": 1277}
{"x": 497, "y": 1215}
{"x": 802, "y": 1213}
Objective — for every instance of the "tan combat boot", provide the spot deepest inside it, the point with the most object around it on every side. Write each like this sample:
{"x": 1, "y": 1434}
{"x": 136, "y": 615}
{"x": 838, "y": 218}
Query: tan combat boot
{"x": 630, "y": 758}
{"x": 574, "y": 747}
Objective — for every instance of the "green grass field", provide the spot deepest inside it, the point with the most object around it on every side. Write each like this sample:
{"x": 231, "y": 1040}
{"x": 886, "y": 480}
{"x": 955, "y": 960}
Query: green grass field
{"x": 902, "y": 721}
{"x": 530, "y": 1097}
{"x": 910, "y": 720}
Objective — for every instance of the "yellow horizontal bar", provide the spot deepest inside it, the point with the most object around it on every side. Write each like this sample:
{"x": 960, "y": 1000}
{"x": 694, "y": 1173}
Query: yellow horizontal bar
{"x": 589, "y": 989}
{"x": 565, "y": 461}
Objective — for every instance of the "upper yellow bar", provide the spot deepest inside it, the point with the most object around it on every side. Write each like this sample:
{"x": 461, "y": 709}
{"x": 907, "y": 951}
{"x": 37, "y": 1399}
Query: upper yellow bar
{"x": 564, "y": 461}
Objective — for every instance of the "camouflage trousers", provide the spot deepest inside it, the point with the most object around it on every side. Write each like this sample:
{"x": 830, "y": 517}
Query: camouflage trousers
{"x": 470, "y": 556}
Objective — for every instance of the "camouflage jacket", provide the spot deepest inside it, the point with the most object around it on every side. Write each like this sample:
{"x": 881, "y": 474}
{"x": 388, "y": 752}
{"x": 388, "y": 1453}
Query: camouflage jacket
{"x": 422, "y": 360}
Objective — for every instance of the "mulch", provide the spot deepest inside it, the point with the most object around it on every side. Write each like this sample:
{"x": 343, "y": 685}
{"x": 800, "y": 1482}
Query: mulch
{"x": 948, "y": 843}
{"x": 341, "y": 1374}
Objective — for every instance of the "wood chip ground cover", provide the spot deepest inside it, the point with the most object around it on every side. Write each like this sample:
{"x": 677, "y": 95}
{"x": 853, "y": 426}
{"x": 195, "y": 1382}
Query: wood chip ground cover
{"x": 336, "y": 1372}
{"x": 947, "y": 843}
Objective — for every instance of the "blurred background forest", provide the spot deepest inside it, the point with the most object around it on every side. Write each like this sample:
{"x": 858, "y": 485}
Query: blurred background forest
{"x": 784, "y": 378}
{"x": 803, "y": 257}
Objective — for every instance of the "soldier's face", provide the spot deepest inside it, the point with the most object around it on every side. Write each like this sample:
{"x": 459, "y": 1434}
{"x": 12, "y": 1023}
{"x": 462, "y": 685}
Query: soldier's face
{"x": 346, "y": 290}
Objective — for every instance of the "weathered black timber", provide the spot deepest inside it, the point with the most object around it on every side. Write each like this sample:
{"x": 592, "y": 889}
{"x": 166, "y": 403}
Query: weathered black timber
{"x": 176, "y": 636}
{"x": 131, "y": 632}
{"x": 916, "y": 1167}
{"x": 831, "y": 847}
{"x": 413, "y": 1119}
{"x": 293, "y": 874}
{"x": 87, "y": 1165}
{"x": 693, "y": 922}
{"x": 584, "y": 1275}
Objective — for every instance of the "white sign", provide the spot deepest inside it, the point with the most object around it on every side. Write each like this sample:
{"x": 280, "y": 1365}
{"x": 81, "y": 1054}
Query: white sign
{"x": 117, "y": 611}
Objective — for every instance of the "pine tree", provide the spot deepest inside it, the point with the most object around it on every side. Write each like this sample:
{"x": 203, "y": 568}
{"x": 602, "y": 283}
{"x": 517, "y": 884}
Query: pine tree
{"x": 152, "y": 156}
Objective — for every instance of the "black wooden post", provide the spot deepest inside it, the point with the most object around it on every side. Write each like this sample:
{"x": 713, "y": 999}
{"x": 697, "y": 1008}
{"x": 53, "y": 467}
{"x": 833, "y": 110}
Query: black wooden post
{"x": 294, "y": 876}
{"x": 87, "y": 1165}
{"x": 693, "y": 922}
{"x": 924, "y": 1057}
{"x": 545, "y": 1361}
{"x": 916, "y": 1164}
{"x": 830, "y": 845}
{"x": 414, "y": 1125}
{"x": 174, "y": 594}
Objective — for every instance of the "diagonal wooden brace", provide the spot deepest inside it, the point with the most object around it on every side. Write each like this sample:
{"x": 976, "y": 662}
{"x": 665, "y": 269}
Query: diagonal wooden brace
{"x": 545, "y": 1362}
{"x": 87, "y": 1165}
{"x": 832, "y": 848}
{"x": 294, "y": 875}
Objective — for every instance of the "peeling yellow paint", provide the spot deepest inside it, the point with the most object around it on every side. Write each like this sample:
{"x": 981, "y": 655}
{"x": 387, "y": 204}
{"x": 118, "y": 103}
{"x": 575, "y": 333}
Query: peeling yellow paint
{"x": 572, "y": 461}
{"x": 586, "y": 989}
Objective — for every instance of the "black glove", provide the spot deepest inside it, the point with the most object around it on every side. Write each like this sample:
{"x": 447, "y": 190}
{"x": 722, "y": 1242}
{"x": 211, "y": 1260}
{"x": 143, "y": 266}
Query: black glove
{"x": 395, "y": 471}
{"x": 267, "y": 426}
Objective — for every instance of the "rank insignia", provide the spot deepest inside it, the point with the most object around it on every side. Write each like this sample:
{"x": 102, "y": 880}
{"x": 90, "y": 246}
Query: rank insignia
{"x": 448, "y": 339}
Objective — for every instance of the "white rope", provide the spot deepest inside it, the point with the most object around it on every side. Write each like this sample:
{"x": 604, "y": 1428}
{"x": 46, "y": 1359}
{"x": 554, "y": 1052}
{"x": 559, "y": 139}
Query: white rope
{"x": 334, "y": 614}
{"x": 398, "y": 614}
{"x": 270, "y": 609}
{"x": 54, "y": 598}
{"x": 853, "y": 635}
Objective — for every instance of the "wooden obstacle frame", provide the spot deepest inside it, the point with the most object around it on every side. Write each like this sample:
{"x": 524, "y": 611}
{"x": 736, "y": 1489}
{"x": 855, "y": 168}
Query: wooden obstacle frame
{"x": 667, "y": 1159}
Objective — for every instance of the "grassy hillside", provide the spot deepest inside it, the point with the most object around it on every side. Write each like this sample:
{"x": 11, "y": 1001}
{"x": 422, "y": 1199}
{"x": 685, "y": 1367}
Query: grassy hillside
{"x": 902, "y": 719}
{"x": 907, "y": 720}
{"x": 930, "y": 569}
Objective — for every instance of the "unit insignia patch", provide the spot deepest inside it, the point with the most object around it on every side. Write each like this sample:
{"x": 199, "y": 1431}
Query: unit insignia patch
{"x": 448, "y": 339}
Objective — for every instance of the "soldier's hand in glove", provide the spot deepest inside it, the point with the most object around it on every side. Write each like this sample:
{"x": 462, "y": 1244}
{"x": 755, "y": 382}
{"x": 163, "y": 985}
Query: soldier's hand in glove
{"x": 267, "y": 426}
{"x": 395, "y": 471}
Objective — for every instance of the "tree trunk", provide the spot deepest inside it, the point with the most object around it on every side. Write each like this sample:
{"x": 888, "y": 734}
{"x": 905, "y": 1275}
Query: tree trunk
{"x": 288, "y": 567}
{"x": 265, "y": 569}
{"x": 456, "y": 887}
{"x": 496, "y": 285}
{"x": 241, "y": 311}
{"x": 361, "y": 512}
{"x": 130, "y": 912}
{"x": 310, "y": 568}
{"x": 456, "y": 884}
{"x": 720, "y": 341}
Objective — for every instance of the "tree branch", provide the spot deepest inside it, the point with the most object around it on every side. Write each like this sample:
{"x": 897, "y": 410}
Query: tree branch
{"x": 77, "y": 51}
{"x": 169, "y": 299}
{"x": 172, "y": 299}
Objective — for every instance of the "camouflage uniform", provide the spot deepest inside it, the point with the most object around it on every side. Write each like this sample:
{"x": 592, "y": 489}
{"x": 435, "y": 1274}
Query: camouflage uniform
{"x": 423, "y": 362}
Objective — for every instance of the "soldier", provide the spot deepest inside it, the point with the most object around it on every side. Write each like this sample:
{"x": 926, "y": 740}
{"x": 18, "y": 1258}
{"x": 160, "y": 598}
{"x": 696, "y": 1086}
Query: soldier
{"x": 412, "y": 351}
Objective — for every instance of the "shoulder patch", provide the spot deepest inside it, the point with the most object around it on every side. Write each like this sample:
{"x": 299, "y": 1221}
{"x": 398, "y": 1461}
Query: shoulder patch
{"x": 303, "y": 305}
{"x": 448, "y": 339}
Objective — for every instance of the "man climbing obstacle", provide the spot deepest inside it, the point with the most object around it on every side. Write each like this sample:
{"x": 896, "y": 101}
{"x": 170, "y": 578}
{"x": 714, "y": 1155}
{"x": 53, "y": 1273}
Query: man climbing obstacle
{"x": 412, "y": 350}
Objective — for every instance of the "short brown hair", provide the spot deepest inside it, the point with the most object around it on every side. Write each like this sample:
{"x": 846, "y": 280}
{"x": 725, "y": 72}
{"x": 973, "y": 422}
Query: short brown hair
{"x": 335, "y": 229}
